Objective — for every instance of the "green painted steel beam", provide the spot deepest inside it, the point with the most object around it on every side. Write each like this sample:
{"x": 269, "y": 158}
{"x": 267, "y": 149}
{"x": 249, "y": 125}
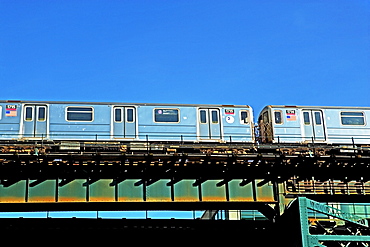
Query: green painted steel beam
{"x": 344, "y": 238}
{"x": 309, "y": 240}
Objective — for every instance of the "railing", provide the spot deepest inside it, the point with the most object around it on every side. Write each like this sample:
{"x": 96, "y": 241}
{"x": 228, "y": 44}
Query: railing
{"x": 328, "y": 187}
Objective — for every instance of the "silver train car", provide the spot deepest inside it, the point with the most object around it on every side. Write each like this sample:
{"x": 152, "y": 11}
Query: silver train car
{"x": 314, "y": 124}
{"x": 53, "y": 121}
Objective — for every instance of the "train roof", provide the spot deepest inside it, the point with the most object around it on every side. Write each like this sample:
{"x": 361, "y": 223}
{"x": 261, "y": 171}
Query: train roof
{"x": 118, "y": 103}
{"x": 318, "y": 107}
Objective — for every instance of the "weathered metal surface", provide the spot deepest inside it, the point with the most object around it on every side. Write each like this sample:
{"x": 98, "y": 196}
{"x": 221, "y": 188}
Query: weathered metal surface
{"x": 157, "y": 173}
{"x": 133, "y": 190}
{"x": 309, "y": 239}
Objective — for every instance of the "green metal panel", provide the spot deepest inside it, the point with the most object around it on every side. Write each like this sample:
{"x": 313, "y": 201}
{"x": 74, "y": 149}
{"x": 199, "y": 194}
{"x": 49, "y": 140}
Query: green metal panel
{"x": 101, "y": 191}
{"x": 42, "y": 192}
{"x": 185, "y": 191}
{"x": 240, "y": 193}
{"x": 210, "y": 192}
{"x": 14, "y": 193}
{"x": 73, "y": 191}
{"x": 264, "y": 193}
{"x": 159, "y": 191}
{"x": 127, "y": 191}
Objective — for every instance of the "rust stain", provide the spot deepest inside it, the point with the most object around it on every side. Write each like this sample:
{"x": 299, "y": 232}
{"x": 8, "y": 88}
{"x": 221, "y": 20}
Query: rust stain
{"x": 102, "y": 199}
{"x": 241, "y": 198}
{"x": 11, "y": 199}
{"x": 71, "y": 199}
{"x": 42, "y": 199}
{"x": 213, "y": 198}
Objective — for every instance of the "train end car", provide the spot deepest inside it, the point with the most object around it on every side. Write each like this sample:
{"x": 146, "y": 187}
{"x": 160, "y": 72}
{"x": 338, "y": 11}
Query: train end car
{"x": 314, "y": 124}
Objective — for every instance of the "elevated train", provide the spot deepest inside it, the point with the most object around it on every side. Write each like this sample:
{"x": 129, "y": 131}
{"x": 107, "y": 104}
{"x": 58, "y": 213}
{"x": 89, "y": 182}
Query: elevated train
{"x": 129, "y": 123}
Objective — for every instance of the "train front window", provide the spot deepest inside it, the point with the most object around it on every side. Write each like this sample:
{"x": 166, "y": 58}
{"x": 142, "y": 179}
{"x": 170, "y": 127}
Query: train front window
{"x": 244, "y": 117}
{"x": 278, "y": 119}
{"x": 352, "y": 118}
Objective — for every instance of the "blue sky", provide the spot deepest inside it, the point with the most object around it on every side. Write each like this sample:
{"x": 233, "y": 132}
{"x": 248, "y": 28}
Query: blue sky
{"x": 308, "y": 52}
{"x": 293, "y": 52}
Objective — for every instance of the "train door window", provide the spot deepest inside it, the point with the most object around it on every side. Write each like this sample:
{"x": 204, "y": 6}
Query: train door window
{"x": 29, "y": 114}
{"x": 117, "y": 114}
{"x": 41, "y": 113}
{"x": 214, "y": 116}
{"x": 203, "y": 116}
{"x": 318, "y": 118}
{"x": 306, "y": 118}
{"x": 79, "y": 114}
{"x": 352, "y": 118}
{"x": 278, "y": 118}
{"x": 1, "y": 111}
{"x": 129, "y": 115}
{"x": 244, "y": 117}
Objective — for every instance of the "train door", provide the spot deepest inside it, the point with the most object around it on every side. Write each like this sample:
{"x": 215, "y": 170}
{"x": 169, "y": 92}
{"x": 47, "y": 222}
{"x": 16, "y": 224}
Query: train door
{"x": 209, "y": 124}
{"x": 313, "y": 123}
{"x": 35, "y": 121}
{"x": 124, "y": 122}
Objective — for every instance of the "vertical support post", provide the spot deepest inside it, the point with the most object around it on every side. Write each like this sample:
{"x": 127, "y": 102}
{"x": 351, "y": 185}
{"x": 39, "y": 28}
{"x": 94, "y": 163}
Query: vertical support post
{"x": 254, "y": 190}
{"x": 144, "y": 190}
{"x": 353, "y": 142}
{"x": 147, "y": 143}
{"x": 303, "y": 219}
{"x": 56, "y": 189}
{"x": 26, "y": 196}
{"x": 88, "y": 189}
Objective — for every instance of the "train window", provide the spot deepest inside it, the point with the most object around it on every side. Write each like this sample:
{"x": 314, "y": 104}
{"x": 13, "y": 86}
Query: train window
{"x": 41, "y": 113}
{"x": 79, "y": 114}
{"x": 203, "y": 116}
{"x": 265, "y": 117}
{"x": 244, "y": 117}
{"x": 166, "y": 115}
{"x": 318, "y": 118}
{"x": 306, "y": 118}
{"x": 1, "y": 111}
{"x": 129, "y": 115}
{"x": 215, "y": 117}
{"x": 352, "y": 118}
{"x": 278, "y": 118}
{"x": 118, "y": 115}
{"x": 29, "y": 114}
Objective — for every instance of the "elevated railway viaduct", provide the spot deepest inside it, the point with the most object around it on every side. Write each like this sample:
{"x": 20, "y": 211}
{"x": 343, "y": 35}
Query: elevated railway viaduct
{"x": 160, "y": 176}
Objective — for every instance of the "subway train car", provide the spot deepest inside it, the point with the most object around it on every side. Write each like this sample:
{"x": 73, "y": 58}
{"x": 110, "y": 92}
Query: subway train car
{"x": 318, "y": 124}
{"x": 57, "y": 121}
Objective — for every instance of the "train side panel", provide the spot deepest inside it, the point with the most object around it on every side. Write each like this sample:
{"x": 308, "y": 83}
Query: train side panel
{"x": 238, "y": 124}
{"x": 10, "y": 117}
{"x": 280, "y": 124}
{"x": 79, "y": 122}
{"x": 167, "y": 123}
{"x": 348, "y": 125}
